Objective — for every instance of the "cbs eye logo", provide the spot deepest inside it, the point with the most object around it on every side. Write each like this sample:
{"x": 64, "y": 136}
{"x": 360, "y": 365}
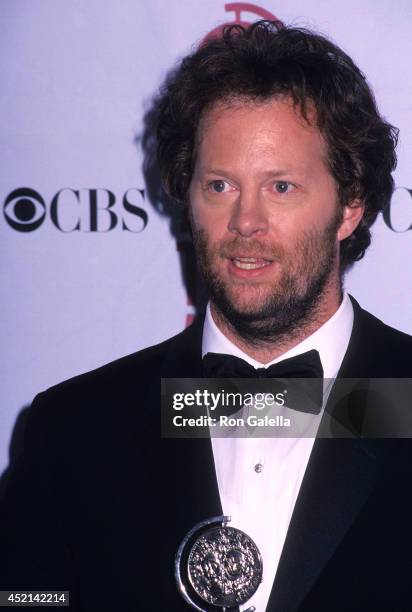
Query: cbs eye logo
{"x": 24, "y": 209}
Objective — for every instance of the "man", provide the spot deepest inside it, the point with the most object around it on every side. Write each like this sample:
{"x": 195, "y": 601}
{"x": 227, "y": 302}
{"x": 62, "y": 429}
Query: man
{"x": 271, "y": 138}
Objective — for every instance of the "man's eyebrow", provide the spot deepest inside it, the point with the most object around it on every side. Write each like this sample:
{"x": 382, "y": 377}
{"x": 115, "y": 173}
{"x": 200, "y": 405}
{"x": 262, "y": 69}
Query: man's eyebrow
{"x": 266, "y": 174}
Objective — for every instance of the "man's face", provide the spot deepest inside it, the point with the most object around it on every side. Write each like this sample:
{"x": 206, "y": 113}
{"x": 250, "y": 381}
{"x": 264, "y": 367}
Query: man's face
{"x": 264, "y": 214}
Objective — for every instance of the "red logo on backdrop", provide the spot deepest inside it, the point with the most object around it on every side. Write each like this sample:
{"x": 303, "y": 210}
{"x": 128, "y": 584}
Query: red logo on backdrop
{"x": 238, "y": 8}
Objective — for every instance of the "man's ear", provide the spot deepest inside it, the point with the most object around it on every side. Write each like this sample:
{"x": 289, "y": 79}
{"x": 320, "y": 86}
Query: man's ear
{"x": 352, "y": 215}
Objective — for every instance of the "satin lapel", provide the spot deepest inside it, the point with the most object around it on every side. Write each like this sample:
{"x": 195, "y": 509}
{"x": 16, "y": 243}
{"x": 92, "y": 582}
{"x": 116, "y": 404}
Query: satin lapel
{"x": 190, "y": 464}
{"x": 178, "y": 475}
{"x": 340, "y": 476}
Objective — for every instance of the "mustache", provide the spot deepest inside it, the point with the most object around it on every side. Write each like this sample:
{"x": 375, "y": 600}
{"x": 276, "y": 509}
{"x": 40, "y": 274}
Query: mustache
{"x": 248, "y": 248}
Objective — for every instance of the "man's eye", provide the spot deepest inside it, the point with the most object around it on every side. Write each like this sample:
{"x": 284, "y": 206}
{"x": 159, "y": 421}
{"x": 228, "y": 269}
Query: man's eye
{"x": 219, "y": 186}
{"x": 283, "y": 187}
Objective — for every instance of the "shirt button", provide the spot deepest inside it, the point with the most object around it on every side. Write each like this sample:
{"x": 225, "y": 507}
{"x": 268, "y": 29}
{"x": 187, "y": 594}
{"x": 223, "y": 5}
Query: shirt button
{"x": 258, "y": 468}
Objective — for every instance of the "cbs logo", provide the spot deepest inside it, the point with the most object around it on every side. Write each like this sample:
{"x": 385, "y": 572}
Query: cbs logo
{"x": 70, "y": 210}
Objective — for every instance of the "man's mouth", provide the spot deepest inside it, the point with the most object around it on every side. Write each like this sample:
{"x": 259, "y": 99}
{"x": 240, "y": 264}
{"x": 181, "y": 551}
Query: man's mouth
{"x": 250, "y": 263}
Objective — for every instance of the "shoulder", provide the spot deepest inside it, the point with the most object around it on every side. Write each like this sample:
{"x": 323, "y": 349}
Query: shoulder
{"x": 374, "y": 327}
{"x": 145, "y": 361}
{"x": 377, "y": 349}
{"x": 121, "y": 385}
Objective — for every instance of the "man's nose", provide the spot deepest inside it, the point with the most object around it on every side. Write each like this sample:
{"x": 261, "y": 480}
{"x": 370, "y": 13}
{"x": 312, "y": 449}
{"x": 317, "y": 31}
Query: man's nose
{"x": 248, "y": 216}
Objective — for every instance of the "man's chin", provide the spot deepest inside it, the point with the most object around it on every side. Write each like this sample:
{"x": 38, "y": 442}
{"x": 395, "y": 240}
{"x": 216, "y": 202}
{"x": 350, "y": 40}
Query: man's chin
{"x": 244, "y": 304}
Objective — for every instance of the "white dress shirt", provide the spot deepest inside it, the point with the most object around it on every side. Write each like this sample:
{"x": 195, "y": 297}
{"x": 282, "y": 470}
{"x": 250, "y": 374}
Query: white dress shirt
{"x": 259, "y": 478}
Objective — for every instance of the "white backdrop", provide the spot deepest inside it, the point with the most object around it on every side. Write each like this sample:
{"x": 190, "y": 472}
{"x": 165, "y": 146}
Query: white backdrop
{"x": 76, "y": 78}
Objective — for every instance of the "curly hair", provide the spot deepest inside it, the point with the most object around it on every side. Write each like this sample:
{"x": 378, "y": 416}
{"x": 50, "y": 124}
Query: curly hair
{"x": 266, "y": 60}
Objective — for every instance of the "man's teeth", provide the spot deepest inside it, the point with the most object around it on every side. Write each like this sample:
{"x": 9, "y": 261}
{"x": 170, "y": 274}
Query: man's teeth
{"x": 250, "y": 263}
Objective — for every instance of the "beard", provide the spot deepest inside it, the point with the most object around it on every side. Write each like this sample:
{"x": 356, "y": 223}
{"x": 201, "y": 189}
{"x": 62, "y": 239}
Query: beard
{"x": 259, "y": 313}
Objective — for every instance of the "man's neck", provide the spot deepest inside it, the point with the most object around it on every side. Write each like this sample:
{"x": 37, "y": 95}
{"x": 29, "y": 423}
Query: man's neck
{"x": 265, "y": 351}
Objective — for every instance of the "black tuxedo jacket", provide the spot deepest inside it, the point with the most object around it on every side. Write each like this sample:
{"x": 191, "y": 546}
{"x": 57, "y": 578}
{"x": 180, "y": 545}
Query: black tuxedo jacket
{"x": 97, "y": 503}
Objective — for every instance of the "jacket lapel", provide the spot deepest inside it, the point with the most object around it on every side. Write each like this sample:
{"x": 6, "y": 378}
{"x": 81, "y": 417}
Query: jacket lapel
{"x": 340, "y": 476}
{"x": 191, "y": 465}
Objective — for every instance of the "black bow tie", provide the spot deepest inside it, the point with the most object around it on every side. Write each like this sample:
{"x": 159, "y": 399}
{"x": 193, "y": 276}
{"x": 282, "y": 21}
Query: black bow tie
{"x": 304, "y": 395}
{"x": 219, "y": 365}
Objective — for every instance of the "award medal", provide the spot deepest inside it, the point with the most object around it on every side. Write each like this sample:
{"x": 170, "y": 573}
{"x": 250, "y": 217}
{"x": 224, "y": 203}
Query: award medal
{"x": 217, "y": 565}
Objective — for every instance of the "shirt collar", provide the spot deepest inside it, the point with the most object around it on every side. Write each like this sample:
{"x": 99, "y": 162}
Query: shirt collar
{"x": 330, "y": 340}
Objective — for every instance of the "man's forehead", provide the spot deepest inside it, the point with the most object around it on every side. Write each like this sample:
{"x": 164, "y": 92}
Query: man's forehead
{"x": 222, "y": 110}
{"x": 266, "y": 127}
